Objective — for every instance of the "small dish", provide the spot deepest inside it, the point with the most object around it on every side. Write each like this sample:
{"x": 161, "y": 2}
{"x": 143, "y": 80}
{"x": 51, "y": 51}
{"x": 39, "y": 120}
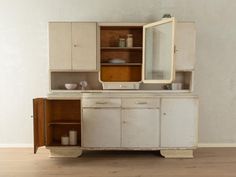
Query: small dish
{"x": 116, "y": 61}
{"x": 71, "y": 86}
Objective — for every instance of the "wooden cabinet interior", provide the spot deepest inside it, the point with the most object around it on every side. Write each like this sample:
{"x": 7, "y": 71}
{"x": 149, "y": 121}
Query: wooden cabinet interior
{"x": 61, "y": 117}
{"x": 130, "y": 70}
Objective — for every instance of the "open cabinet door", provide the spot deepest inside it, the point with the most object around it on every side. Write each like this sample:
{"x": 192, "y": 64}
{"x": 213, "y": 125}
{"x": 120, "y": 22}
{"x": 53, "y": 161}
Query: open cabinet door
{"x": 158, "y": 51}
{"x": 39, "y": 122}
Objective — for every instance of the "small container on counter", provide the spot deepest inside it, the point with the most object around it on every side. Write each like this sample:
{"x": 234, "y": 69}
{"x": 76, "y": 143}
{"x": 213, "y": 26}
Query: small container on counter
{"x": 129, "y": 40}
{"x": 122, "y": 42}
{"x": 73, "y": 137}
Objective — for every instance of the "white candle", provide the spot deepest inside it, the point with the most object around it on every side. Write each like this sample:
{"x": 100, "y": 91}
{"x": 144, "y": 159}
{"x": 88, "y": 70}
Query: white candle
{"x": 73, "y": 137}
{"x": 65, "y": 140}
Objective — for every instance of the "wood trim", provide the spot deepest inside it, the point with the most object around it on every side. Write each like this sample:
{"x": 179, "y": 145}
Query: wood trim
{"x": 39, "y": 122}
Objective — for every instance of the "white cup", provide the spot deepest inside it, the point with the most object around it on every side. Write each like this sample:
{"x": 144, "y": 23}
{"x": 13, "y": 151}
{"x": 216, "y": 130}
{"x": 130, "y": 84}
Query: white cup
{"x": 73, "y": 137}
{"x": 176, "y": 86}
{"x": 65, "y": 140}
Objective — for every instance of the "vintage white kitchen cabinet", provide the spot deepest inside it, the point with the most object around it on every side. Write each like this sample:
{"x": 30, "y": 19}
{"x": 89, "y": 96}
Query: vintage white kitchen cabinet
{"x": 131, "y": 103}
{"x": 73, "y": 46}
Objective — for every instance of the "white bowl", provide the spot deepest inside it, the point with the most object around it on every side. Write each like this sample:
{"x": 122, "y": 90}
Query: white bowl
{"x": 70, "y": 86}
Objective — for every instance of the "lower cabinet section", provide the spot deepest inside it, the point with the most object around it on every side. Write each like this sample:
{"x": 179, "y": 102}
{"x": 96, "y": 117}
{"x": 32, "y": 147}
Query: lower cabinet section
{"x": 101, "y": 127}
{"x": 140, "y": 128}
{"x": 168, "y": 124}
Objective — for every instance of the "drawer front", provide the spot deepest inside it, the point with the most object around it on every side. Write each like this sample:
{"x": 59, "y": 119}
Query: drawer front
{"x": 141, "y": 103}
{"x": 101, "y": 102}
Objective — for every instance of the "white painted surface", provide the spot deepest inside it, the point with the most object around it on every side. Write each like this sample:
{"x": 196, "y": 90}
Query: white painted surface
{"x": 179, "y": 122}
{"x": 101, "y": 127}
{"x": 84, "y": 46}
{"x": 185, "y": 41}
{"x": 140, "y": 128}
{"x": 60, "y": 46}
{"x": 24, "y": 56}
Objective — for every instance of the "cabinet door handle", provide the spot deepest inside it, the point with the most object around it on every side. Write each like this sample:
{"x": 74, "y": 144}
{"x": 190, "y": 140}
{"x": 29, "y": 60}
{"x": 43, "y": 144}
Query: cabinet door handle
{"x": 164, "y": 113}
{"x": 75, "y": 45}
{"x": 141, "y": 102}
{"x": 98, "y": 102}
{"x": 32, "y": 116}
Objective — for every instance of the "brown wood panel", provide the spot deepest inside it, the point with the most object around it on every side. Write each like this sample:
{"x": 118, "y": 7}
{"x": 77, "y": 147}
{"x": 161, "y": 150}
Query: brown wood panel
{"x": 121, "y": 73}
{"x": 39, "y": 122}
{"x": 110, "y": 35}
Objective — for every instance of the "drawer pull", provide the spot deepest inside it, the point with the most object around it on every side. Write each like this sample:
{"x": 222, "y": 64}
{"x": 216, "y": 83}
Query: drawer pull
{"x": 100, "y": 102}
{"x": 141, "y": 102}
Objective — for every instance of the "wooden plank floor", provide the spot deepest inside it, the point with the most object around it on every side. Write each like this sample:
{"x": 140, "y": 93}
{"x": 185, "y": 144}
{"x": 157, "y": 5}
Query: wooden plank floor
{"x": 214, "y": 162}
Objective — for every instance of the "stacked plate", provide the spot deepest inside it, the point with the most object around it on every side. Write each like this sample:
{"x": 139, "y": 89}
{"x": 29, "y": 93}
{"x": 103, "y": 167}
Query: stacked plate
{"x": 116, "y": 61}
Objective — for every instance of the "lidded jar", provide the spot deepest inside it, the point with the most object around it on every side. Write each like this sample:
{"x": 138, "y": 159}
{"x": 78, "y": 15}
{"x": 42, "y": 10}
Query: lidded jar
{"x": 129, "y": 40}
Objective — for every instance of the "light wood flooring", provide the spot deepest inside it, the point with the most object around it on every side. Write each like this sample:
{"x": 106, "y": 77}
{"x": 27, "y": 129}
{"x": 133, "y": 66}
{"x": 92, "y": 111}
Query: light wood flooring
{"x": 21, "y": 162}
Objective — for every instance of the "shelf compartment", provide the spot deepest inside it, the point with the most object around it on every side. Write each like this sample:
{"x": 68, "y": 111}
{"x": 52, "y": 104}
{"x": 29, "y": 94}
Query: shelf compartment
{"x": 110, "y": 35}
{"x": 121, "y": 73}
{"x": 55, "y": 133}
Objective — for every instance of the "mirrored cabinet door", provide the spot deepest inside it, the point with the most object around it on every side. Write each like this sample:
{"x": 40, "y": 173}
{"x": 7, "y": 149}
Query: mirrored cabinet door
{"x": 158, "y": 55}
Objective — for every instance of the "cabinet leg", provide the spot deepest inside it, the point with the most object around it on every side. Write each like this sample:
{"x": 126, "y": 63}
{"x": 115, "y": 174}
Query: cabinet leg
{"x": 177, "y": 153}
{"x": 65, "y": 152}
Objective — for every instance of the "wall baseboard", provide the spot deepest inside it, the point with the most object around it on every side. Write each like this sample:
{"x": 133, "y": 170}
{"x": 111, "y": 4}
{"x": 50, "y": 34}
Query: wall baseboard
{"x": 216, "y": 144}
{"x": 16, "y": 145}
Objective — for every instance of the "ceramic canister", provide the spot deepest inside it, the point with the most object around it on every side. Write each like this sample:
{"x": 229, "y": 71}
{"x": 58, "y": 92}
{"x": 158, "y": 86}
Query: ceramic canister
{"x": 73, "y": 137}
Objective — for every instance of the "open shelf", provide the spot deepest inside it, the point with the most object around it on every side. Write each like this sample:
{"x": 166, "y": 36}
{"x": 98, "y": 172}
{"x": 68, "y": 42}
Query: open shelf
{"x": 62, "y": 116}
{"x": 130, "y": 70}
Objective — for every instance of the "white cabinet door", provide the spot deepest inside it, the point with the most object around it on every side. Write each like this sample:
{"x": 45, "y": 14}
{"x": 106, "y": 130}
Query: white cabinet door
{"x": 140, "y": 128}
{"x": 158, "y": 51}
{"x": 60, "y": 46}
{"x": 185, "y": 40}
{"x": 84, "y": 46}
{"x": 179, "y": 122}
{"x": 101, "y": 127}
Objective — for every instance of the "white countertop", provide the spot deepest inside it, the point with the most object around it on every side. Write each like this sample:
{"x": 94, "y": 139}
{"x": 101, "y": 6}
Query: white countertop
{"x": 78, "y": 94}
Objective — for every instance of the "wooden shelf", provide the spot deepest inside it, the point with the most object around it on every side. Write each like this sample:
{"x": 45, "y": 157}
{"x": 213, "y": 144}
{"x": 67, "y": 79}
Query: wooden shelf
{"x": 63, "y": 123}
{"x": 121, "y": 64}
{"x": 121, "y": 48}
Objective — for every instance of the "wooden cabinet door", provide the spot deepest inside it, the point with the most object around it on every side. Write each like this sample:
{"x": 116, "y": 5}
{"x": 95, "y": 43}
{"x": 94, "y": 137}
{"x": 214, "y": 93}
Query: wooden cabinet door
{"x": 185, "y": 40}
{"x": 179, "y": 122}
{"x": 140, "y": 128}
{"x": 101, "y": 127}
{"x": 60, "y": 46}
{"x": 39, "y": 122}
{"x": 84, "y": 46}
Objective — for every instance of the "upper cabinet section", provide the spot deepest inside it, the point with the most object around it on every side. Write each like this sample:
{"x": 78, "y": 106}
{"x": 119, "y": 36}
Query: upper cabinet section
{"x": 158, "y": 53}
{"x": 72, "y": 46}
{"x": 185, "y": 40}
{"x": 60, "y": 46}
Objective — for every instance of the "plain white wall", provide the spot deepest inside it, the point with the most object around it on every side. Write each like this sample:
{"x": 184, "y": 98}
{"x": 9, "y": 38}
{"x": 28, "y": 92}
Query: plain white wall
{"x": 24, "y": 56}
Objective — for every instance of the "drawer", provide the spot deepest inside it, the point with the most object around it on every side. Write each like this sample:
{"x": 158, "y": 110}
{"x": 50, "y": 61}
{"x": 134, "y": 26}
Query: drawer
{"x": 101, "y": 102}
{"x": 141, "y": 103}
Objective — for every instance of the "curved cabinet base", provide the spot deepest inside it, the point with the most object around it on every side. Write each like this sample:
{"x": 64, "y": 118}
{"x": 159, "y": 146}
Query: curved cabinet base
{"x": 72, "y": 152}
{"x": 177, "y": 153}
